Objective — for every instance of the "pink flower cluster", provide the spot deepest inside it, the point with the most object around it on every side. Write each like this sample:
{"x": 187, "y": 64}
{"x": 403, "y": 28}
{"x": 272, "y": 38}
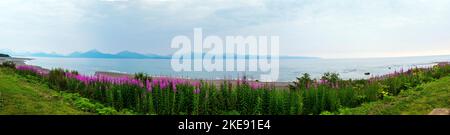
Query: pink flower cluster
{"x": 105, "y": 79}
{"x": 34, "y": 69}
{"x": 165, "y": 82}
{"x": 149, "y": 85}
{"x": 316, "y": 83}
{"x": 394, "y": 74}
{"x": 256, "y": 85}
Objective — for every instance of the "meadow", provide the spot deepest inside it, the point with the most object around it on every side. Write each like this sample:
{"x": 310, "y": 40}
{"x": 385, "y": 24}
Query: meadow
{"x": 147, "y": 95}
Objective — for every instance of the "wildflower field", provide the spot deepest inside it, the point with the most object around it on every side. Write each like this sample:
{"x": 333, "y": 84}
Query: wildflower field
{"x": 148, "y": 95}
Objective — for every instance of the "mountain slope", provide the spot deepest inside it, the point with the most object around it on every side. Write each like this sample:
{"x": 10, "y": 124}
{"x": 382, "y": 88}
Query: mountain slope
{"x": 124, "y": 54}
{"x": 91, "y": 54}
{"x": 128, "y": 54}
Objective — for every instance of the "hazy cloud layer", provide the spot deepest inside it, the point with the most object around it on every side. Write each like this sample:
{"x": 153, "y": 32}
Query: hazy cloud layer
{"x": 324, "y": 28}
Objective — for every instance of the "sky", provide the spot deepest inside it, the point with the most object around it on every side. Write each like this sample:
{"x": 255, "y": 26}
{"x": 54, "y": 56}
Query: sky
{"x": 318, "y": 28}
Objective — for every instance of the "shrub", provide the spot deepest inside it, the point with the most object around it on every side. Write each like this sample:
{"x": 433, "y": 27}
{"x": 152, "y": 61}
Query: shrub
{"x": 301, "y": 83}
{"x": 89, "y": 106}
{"x": 142, "y": 76}
{"x": 106, "y": 111}
{"x": 8, "y": 64}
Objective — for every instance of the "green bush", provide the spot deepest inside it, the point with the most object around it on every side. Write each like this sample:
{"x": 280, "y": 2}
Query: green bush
{"x": 106, "y": 111}
{"x": 89, "y": 106}
{"x": 8, "y": 64}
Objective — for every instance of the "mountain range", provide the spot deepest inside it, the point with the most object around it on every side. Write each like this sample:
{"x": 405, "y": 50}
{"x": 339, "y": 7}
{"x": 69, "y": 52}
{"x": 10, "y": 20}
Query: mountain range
{"x": 121, "y": 55}
{"x": 90, "y": 54}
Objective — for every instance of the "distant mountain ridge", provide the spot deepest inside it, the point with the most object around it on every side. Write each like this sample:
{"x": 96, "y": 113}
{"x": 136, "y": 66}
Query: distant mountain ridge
{"x": 124, "y": 55}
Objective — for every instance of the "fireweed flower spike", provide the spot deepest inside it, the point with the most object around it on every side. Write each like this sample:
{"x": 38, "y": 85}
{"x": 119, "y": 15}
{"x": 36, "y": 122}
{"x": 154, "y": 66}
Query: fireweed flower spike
{"x": 196, "y": 84}
{"x": 165, "y": 84}
{"x": 33, "y": 69}
{"x": 238, "y": 81}
{"x": 149, "y": 86}
{"x": 174, "y": 86}
{"x": 197, "y": 91}
{"x": 255, "y": 86}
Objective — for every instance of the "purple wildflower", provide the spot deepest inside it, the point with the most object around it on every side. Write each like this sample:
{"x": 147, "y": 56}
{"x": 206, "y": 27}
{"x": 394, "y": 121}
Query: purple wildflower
{"x": 149, "y": 86}
{"x": 174, "y": 86}
{"x": 255, "y": 86}
{"x": 197, "y": 91}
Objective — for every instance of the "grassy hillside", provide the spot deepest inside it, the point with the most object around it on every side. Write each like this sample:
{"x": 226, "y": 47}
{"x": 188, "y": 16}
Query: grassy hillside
{"x": 25, "y": 96}
{"x": 418, "y": 101}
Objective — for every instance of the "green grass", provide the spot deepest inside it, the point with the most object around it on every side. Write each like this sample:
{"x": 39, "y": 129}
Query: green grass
{"x": 417, "y": 101}
{"x": 24, "y": 96}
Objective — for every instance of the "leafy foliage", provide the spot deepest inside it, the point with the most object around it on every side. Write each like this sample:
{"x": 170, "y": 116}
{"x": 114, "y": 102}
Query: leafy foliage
{"x": 8, "y": 64}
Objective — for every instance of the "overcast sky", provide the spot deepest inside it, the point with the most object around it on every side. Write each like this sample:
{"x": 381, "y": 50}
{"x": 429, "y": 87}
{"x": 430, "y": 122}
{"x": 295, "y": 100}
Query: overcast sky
{"x": 321, "y": 28}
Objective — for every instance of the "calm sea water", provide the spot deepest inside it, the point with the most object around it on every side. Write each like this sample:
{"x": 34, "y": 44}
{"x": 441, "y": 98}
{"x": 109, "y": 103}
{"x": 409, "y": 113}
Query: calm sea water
{"x": 289, "y": 68}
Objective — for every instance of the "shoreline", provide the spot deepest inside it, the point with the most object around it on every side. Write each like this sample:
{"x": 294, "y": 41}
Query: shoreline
{"x": 215, "y": 81}
{"x": 278, "y": 84}
{"x": 16, "y": 60}
{"x": 21, "y": 61}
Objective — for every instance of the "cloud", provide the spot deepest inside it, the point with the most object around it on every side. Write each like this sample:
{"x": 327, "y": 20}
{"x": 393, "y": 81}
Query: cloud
{"x": 327, "y": 28}
{"x": 32, "y": 25}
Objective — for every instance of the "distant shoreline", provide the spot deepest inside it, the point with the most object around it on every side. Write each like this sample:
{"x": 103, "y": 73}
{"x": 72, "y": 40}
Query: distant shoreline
{"x": 17, "y": 61}
{"x": 21, "y": 61}
{"x": 215, "y": 81}
{"x": 278, "y": 84}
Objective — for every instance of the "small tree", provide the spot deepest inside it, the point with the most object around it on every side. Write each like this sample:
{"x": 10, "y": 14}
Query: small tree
{"x": 301, "y": 82}
{"x": 142, "y": 76}
{"x": 332, "y": 78}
